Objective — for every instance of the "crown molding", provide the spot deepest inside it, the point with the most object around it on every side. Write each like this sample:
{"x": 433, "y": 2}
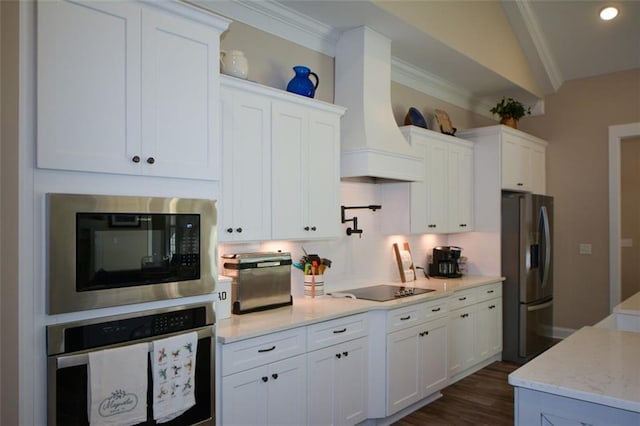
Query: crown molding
{"x": 540, "y": 42}
{"x": 416, "y": 78}
{"x": 274, "y": 18}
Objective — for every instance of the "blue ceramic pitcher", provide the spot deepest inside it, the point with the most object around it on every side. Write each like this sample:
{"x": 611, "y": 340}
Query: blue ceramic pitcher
{"x": 301, "y": 84}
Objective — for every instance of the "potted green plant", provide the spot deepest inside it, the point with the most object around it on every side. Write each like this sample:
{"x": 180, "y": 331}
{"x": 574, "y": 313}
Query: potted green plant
{"x": 510, "y": 111}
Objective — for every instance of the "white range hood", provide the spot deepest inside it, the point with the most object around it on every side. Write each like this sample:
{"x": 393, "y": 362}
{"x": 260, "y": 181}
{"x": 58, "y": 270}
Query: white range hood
{"x": 372, "y": 145}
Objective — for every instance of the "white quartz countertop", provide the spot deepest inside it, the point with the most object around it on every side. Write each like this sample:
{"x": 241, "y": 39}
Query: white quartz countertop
{"x": 631, "y": 306}
{"x": 594, "y": 364}
{"x": 305, "y": 311}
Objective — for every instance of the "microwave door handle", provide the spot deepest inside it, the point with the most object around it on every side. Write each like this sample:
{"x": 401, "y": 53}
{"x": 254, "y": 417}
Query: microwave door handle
{"x": 544, "y": 222}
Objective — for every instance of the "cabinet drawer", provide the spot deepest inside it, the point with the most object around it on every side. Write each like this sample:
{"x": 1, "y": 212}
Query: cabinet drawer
{"x": 490, "y": 291}
{"x": 262, "y": 350}
{"x": 462, "y": 298}
{"x": 336, "y": 331}
{"x": 435, "y": 309}
{"x": 401, "y": 318}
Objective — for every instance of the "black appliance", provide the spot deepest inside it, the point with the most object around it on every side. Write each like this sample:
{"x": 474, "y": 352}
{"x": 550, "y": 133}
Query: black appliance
{"x": 444, "y": 262}
{"x": 68, "y": 347}
{"x": 527, "y": 265}
{"x": 384, "y": 292}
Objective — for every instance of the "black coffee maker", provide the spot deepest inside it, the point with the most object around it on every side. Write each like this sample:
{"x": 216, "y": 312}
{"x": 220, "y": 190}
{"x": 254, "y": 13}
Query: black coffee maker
{"x": 444, "y": 262}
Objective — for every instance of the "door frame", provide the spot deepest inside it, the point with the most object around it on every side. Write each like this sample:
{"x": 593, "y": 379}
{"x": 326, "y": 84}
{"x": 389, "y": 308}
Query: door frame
{"x": 616, "y": 134}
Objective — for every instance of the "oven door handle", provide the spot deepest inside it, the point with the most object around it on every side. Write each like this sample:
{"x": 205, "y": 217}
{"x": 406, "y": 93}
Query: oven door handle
{"x": 66, "y": 361}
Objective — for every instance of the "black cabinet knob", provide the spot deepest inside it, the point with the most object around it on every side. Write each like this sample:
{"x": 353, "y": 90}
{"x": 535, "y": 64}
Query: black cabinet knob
{"x": 151, "y": 160}
{"x": 136, "y": 159}
{"x": 345, "y": 353}
{"x": 313, "y": 228}
{"x": 306, "y": 228}
{"x": 274, "y": 375}
{"x": 265, "y": 379}
{"x": 338, "y": 356}
{"x": 239, "y": 230}
{"x": 229, "y": 230}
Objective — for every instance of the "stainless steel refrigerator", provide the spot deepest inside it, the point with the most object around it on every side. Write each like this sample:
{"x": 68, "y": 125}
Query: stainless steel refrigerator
{"x": 527, "y": 265}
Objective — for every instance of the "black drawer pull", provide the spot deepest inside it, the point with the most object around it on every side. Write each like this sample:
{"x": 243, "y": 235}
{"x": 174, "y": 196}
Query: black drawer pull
{"x": 267, "y": 350}
{"x": 464, "y": 315}
{"x": 339, "y": 331}
{"x": 489, "y": 291}
{"x": 405, "y": 318}
{"x": 435, "y": 310}
{"x": 492, "y": 306}
{"x": 462, "y": 298}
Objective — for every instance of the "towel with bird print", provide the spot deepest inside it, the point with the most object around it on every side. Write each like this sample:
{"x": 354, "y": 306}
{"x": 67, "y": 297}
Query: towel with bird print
{"x": 173, "y": 366}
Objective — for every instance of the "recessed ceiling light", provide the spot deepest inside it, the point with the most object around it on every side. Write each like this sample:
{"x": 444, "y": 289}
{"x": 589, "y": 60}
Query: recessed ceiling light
{"x": 608, "y": 13}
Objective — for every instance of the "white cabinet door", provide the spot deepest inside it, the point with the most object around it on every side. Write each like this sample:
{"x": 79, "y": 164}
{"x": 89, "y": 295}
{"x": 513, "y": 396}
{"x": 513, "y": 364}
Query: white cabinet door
{"x": 461, "y": 339}
{"x": 351, "y": 383}
{"x": 337, "y": 384}
{"x": 436, "y": 175}
{"x": 305, "y": 172}
{"x": 88, "y": 86}
{"x": 323, "y": 171}
{"x": 124, "y": 88}
{"x": 180, "y": 92}
{"x": 460, "y": 188}
{"x": 489, "y": 328}
{"x": 515, "y": 163}
{"x": 246, "y": 183}
{"x": 273, "y": 394}
{"x": 321, "y": 379}
{"x": 434, "y": 372}
{"x": 287, "y": 392}
{"x": 244, "y": 397}
{"x": 538, "y": 169}
{"x": 403, "y": 364}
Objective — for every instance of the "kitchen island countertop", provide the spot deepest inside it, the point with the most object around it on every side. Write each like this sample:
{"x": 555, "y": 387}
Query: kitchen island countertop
{"x": 305, "y": 311}
{"x": 597, "y": 364}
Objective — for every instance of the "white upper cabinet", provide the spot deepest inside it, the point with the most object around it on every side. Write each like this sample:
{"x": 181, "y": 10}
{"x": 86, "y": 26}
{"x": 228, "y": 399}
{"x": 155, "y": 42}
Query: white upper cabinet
{"x": 281, "y": 169}
{"x": 306, "y": 172}
{"x": 246, "y": 170}
{"x": 128, "y": 88}
{"x": 444, "y": 201}
{"x": 520, "y": 157}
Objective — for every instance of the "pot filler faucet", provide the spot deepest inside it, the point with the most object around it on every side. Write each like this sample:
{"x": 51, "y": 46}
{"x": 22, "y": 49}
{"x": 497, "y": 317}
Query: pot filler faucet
{"x": 354, "y": 219}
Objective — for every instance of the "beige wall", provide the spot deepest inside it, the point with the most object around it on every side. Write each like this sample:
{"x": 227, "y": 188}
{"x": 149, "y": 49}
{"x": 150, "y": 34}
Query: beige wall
{"x": 630, "y": 215}
{"x": 9, "y": 385}
{"x": 576, "y": 126}
{"x": 272, "y": 58}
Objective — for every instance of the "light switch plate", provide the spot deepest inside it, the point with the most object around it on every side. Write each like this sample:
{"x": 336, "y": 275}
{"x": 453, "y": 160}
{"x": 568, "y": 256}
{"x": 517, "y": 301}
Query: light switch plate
{"x": 585, "y": 248}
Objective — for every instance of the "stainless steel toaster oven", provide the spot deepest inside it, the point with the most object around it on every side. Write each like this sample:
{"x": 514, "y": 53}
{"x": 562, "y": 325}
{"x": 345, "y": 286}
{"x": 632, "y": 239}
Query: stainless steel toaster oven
{"x": 260, "y": 280}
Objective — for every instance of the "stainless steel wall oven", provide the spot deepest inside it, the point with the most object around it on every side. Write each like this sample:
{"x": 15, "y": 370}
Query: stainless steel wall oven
{"x": 69, "y": 345}
{"x": 115, "y": 250}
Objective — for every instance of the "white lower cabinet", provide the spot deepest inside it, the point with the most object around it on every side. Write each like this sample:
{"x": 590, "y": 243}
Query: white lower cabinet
{"x": 272, "y": 394}
{"x": 337, "y": 366}
{"x": 337, "y": 384}
{"x": 416, "y": 354}
{"x": 264, "y": 380}
{"x": 475, "y": 328}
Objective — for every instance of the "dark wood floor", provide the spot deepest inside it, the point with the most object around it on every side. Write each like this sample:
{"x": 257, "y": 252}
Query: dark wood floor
{"x": 483, "y": 398}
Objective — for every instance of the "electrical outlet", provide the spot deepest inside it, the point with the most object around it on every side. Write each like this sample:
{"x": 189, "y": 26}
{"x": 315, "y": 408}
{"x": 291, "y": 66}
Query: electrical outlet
{"x": 585, "y": 248}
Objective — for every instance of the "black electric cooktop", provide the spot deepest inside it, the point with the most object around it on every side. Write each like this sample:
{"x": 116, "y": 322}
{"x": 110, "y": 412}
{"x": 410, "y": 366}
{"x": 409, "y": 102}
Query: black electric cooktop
{"x": 382, "y": 293}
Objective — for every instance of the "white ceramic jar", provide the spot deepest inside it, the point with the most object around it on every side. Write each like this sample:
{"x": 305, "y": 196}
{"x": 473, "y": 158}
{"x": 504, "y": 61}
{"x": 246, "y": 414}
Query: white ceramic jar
{"x": 234, "y": 63}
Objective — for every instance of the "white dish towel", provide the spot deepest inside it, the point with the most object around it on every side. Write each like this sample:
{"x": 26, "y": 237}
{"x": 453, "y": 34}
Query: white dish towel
{"x": 173, "y": 367}
{"x": 118, "y": 386}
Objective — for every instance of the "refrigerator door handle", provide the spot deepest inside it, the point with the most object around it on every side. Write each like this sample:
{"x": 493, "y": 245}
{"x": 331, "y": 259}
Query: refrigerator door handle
{"x": 540, "y": 306}
{"x": 544, "y": 271}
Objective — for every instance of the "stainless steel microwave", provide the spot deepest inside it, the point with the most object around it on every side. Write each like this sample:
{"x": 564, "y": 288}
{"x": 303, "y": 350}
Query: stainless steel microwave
{"x": 115, "y": 250}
